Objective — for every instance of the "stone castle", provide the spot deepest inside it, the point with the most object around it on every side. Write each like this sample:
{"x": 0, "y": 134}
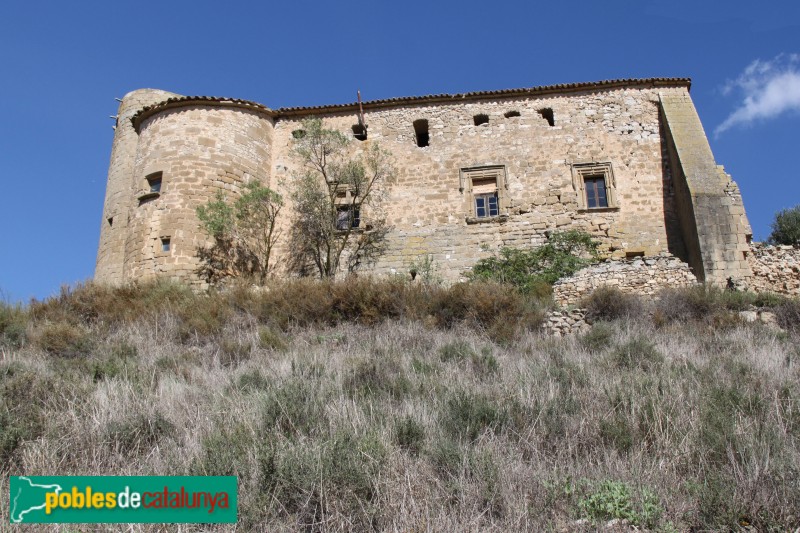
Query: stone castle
{"x": 625, "y": 160}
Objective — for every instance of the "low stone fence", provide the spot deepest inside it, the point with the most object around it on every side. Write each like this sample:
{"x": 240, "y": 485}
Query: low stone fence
{"x": 639, "y": 275}
{"x": 775, "y": 269}
{"x": 563, "y": 323}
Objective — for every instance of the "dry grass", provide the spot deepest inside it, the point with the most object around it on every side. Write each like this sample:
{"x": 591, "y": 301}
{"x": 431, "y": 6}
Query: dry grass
{"x": 340, "y": 417}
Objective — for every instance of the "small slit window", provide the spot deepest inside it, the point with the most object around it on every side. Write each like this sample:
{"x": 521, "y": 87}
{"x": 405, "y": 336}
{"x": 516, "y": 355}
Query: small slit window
{"x": 547, "y": 114}
{"x": 360, "y": 132}
{"x": 166, "y": 244}
{"x": 480, "y": 119}
{"x": 110, "y": 221}
{"x": 510, "y": 114}
{"x": 421, "y": 132}
{"x": 154, "y": 182}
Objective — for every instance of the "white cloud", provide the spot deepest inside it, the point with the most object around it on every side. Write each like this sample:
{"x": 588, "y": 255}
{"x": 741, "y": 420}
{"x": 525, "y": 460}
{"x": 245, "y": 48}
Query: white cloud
{"x": 769, "y": 88}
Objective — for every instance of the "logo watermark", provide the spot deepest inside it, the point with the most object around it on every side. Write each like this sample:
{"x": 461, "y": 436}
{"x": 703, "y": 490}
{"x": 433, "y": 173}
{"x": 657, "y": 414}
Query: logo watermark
{"x": 122, "y": 499}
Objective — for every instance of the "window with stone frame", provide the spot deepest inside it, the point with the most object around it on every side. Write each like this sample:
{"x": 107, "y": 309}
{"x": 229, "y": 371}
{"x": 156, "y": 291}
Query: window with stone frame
{"x": 595, "y": 185}
{"x": 485, "y": 188}
{"x": 348, "y": 212}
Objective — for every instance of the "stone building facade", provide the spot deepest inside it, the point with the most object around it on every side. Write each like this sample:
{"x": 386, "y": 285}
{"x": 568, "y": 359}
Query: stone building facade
{"x": 625, "y": 160}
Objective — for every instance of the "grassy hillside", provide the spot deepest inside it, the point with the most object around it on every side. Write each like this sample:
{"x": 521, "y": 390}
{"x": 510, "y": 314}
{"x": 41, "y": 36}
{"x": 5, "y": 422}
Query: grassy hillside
{"x": 386, "y": 406}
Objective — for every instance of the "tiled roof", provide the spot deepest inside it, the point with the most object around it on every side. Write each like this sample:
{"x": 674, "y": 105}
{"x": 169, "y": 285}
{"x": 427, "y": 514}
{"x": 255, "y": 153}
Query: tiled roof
{"x": 390, "y": 102}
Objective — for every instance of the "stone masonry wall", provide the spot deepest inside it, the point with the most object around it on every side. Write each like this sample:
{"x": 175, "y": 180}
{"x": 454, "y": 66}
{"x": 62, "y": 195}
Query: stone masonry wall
{"x": 642, "y": 275}
{"x": 775, "y": 269}
{"x": 114, "y": 225}
{"x": 199, "y": 150}
{"x": 428, "y": 213}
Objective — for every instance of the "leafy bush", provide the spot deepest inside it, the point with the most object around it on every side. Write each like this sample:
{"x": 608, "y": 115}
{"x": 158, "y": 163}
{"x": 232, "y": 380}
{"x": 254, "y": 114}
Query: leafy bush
{"x": 530, "y": 270}
{"x": 616, "y": 499}
{"x": 786, "y": 227}
{"x": 610, "y": 303}
{"x": 598, "y": 338}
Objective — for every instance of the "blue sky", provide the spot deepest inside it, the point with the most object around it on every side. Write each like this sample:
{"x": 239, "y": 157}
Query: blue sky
{"x": 63, "y": 63}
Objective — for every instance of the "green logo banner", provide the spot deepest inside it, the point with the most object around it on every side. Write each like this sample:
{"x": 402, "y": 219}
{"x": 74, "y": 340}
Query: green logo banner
{"x": 122, "y": 499}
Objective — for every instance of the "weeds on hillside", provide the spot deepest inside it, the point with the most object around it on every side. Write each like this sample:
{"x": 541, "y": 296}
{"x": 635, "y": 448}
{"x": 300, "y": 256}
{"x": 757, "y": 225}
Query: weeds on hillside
{"x": 405, "y": 411}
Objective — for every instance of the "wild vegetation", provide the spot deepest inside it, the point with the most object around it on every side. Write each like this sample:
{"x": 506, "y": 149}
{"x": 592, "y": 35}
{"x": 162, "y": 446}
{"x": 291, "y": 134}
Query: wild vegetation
{"x": 786, "y": 227}
{"x": 383, "y": 405}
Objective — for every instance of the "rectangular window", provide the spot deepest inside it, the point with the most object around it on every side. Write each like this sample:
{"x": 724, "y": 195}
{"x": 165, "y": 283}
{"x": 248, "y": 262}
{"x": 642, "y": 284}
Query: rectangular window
{"x": 487, "y": 187}
{"x": 165, "y": 244}
{"x": 595, "y": 191}
{"x": 486, "y": 205}
{"x": 595, "y": 185}
{"x": 347, "y": 217}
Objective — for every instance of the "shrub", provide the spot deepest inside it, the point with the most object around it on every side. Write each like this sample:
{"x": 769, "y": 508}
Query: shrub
{"x": 531, "y": 270}
{"x": 13, "y": 320}
{"x": 610, "y": 303}
{"x": 467, "y": 415}
{"x": 272, "y": 340}
{"x": 598, "y": 338}
{"x": 786, "y": 227}
{"x": 64, "y": 339}
{"x": 296, "y": 407}
{"x": 456, "y": 351}
{"x": 139, "y": 433}
{"x": 616, "y": 499}
{"x": 409, "y": 434}
{"x": 205, "y": 317}
{"x": 375, "y": 377}
{"x": 233, "y": 351}
{"x": 638, "y": 352}
{"x": 225, "y": 452}
{"x": 23, "y": 396}
{"x": 787, "y": 313}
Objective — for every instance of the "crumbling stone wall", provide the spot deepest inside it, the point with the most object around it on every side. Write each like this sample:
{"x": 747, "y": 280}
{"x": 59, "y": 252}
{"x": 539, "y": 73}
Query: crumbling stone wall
{"x": 775, "y": 269}
{"x": 645, "y": 276}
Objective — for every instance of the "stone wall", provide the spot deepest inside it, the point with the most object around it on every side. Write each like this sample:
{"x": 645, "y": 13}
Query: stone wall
{"x": 540, "y": 138}
{"x": 114, "y": 229}
{"x": 199, "y": 150}
{"x": 644, "y": 276}
{"x": 775, "y": 269}
{"x": 431, "y": 209}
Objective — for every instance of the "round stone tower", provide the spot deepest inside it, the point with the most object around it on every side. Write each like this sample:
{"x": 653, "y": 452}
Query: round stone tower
{"x": 189, "y": 148}
{"x": 118, "y": 201}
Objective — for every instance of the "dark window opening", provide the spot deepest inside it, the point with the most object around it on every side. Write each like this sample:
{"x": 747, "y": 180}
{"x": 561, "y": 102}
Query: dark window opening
{"x": 421, "y": 132}
{"x": 154, "y": 181}
{"x": 510, "y": 114}
{"x": 595, "y": 191}
{"x": 347, "y": 217}
{"x": 360, "y": 132}
{"x": 165, "y": 244}
{"x": 299, "y": 134}
{"x": 480, "y": 119}
{"x": 547, "y": 114}
{"x": 110, "y": 221}
{"x": 486, "y": 205}
{"x": 631, "y": 255}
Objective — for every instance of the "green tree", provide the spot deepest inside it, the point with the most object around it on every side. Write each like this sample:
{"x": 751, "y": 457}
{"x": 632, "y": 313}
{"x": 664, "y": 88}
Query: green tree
{"x": 563, "y": 255}
{"x": 786, "y": 227}
{"x": 338, "y": 198}
{"x": 244, "y": 233}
